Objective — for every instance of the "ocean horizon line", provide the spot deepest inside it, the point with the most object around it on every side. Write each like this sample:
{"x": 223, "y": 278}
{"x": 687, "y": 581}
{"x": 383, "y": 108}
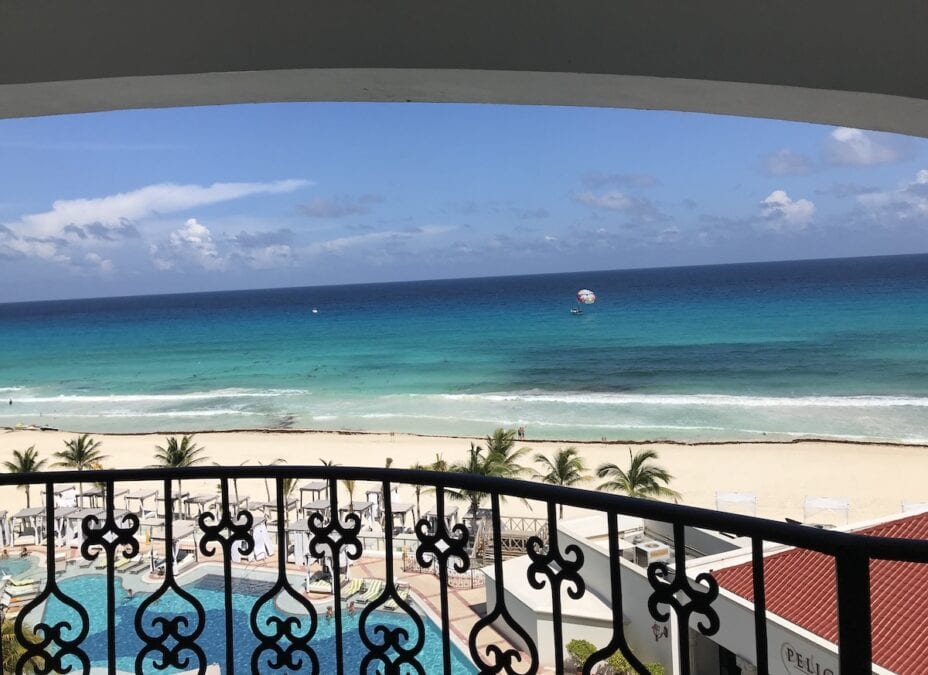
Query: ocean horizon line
{"x": 270, "y": 431}
{"x": 398, "y": 282}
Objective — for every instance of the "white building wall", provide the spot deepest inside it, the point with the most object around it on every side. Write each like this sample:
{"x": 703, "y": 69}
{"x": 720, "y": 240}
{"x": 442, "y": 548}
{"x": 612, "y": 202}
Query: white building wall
{"x": 635, "y": 593}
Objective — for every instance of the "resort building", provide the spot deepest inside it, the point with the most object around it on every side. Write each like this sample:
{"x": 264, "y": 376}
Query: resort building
{"x": 801, "y": 600}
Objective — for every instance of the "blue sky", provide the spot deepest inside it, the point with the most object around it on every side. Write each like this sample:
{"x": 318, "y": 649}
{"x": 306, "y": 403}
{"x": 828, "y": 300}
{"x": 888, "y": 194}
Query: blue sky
{"x": 253, "y": 196}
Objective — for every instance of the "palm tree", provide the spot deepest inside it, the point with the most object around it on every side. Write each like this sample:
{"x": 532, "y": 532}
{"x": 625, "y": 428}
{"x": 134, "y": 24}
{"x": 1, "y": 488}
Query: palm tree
{"x": 327, "y": 462}
{"x": 80, "y": 453}
{"x": 234, "y": 483}
{"x": 566, "y": 469}
{"x": 418, "y": 466}
{"x": 502, "y": 454}
{"x": 642, "y": 478}
{"x": 476, "y": 463}
{"x": 25, "y": 461}
{"x": 12, "y": 649}
{"x": 440, "y": 464}
{"x": 179, "y": 454}
{"x": 350, "y": 485}
{"x": 267, "y": 488}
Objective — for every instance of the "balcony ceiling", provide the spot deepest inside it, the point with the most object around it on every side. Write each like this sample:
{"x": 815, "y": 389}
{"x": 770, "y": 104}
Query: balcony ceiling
{"x": 859, "y": 63}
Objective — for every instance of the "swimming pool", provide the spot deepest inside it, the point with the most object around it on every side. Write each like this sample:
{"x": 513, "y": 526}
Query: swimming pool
{"x": 16, "y": 566}
{"x": 90, "y": 591}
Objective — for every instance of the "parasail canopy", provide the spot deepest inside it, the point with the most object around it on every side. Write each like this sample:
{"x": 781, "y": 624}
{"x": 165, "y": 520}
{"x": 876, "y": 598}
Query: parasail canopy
{"x": 586, "y": 297}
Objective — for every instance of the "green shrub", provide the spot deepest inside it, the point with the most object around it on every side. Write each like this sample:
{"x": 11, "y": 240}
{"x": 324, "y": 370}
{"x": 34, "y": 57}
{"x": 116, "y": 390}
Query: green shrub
{"x": 655, "y": 668}
{"x": 619, "y": 664}
{"x": 580, "y": 651}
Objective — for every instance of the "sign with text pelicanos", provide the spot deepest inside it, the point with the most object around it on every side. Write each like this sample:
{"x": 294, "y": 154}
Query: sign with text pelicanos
{"x": 804, "y": 661}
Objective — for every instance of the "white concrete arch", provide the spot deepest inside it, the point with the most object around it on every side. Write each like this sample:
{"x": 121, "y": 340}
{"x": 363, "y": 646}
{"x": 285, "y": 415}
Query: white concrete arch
{"x": 858, "y": 63}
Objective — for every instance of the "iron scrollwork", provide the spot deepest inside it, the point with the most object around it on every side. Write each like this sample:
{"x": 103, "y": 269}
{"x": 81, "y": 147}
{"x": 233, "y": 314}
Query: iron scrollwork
{"x": 392, "y": 648}
{"x": 494, "y": 658}
{"x": 170, "y": 640}
{"x": 290, "y": 628}
{"x": 52, "y": 647}
{"x": 699, "y": 598}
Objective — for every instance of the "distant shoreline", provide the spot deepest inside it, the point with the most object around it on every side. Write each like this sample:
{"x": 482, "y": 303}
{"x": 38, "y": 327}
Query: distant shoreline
{"x": 411, "y": 434}
{"x": 780, "y": 475}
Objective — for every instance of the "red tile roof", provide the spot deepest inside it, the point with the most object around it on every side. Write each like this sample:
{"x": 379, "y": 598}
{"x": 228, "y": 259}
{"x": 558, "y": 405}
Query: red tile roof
{"x": 800, "y": 587}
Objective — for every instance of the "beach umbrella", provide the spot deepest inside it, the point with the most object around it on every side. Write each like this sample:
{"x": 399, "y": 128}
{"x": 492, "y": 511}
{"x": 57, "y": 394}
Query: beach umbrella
{"x": 586, "y": 296}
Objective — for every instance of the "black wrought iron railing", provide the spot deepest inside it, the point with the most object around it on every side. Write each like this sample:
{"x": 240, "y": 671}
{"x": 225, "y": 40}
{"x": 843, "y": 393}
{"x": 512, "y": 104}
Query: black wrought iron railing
{"x": 298, "y": 616}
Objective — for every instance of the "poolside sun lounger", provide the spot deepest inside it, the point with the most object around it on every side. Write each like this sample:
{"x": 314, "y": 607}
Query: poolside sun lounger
{"x": 23, "y": 581}
{"x": 20, "y": 591}
{"x": 390, "y": 605}
{"x": 352, "y": 588}
{"x": 372, "y": 591}
{"x": 134, "y": 568}
{"x": 122, "y": 561}
{"x": 320, "y": 587}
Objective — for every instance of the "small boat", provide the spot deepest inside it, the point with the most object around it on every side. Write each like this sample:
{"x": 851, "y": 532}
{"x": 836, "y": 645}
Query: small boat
{"x": 576, "y": 310}
{"x": 315, "y": 311}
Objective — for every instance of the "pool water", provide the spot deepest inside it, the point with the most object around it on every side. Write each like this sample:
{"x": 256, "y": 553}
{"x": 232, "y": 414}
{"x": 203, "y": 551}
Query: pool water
{"x": 16, "y": 566}
{"x": 90, "y": 591}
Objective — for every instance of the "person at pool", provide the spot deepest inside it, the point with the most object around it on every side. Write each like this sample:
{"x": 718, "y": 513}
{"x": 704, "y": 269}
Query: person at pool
{"x": 329, "y": 613}
{"x": 24, "y": 553}
{"x": 5, "y": 554}
{"x": 351, "y": 608}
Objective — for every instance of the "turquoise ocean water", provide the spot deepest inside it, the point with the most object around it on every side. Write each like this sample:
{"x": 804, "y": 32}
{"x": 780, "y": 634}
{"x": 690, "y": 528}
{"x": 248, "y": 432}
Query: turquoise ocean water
{"x": 835, "y": 348}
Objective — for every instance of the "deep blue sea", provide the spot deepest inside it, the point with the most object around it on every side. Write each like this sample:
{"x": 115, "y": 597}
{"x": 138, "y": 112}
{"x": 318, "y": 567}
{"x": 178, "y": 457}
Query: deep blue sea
{"x": 834, "y": 348}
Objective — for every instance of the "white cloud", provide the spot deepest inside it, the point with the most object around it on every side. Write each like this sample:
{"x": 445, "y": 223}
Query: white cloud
{"x": 611, "y": 200}
{"x": 94, "y": 221}
{"x": 782, "y": 213}
{"x": 93, "y": 263}
{"x": 191, "y": 244}
{"x": 903, "y": 204}
{"x": 854, "y": 147}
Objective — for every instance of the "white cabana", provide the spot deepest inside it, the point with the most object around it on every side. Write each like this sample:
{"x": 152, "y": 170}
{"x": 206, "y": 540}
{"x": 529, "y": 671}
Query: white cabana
{"x": 264, "y": 547}
{"x": 94, "y": 497}
{"x": 62, "y": 524}
{"x": 74, "y": 534}
{"x": 27, "y": 526}
{"x": 322, "y": 506}
{"x": 364, "y": 509}
{"x": 64, "y": 495}
{"x": 741, "y": 502}
{"x": 401, "y": 514}
{"x": 177, "y": 508}
{"x": 451, "y": 517}
{"x": 269, "y": 509}
{"x": 298, "y": 536}
{"x": 6, "y": 534}
{"x": 313, "y": 491}
{"x": 817, "y": 505}
{"x": 140, "y": 496}
{"x": 375, "y": 497}
{"x": 183, "y": 537}
{"x": 200, "y": 503}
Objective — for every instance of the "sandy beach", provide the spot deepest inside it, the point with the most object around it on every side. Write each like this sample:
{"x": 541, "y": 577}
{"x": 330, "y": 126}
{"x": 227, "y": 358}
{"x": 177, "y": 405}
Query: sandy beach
{"x": 781, "y": 475}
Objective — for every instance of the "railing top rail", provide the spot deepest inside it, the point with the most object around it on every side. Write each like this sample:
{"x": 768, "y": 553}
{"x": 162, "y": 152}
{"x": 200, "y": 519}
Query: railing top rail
{"x": 830, "y": 542}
